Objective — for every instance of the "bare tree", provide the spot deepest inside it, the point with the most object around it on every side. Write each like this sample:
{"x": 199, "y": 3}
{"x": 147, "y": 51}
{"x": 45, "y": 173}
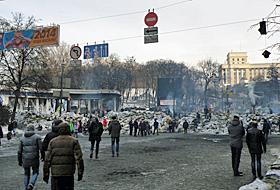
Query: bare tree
{"x": 21, "y": 68}
{"x": 209, "y": 70}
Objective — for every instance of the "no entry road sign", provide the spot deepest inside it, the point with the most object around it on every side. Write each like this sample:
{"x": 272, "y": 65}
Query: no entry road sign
{"x": 151, "y": 19}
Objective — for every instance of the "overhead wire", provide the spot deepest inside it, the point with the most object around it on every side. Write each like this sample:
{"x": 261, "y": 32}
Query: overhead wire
{"x": 123, "y": 14}
{"x": 184, "y": 30}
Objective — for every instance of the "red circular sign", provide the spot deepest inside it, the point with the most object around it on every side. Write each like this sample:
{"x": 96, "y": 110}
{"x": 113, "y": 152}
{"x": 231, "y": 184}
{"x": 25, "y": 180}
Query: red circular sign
{"x": 151, "y": 19}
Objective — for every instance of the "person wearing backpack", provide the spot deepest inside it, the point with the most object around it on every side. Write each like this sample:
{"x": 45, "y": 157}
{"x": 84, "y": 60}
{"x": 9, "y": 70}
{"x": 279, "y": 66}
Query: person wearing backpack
{"x": 95, "y": 132}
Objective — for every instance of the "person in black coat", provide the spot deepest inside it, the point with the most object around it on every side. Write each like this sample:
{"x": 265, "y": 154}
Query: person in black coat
{"x": 136, "y": 126}
{"x": 51, "y": 135}
{"x": 156, "y": 124}
{"x": 95, "y": 133}
{"x": 130, "y": 127}
{"x": 266, "y": 129}
{"x": 185, "y": 126}
{"x": 1, "y": 134}
{"x": 256, "y": 144}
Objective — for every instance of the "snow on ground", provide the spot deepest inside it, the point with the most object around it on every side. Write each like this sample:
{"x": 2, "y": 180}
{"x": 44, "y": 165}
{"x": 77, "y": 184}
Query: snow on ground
{"x": 271, "y": 180}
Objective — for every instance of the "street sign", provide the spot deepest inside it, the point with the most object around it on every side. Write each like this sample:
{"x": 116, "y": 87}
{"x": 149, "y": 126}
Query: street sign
{"x": 101, "y": 50}
{"x": 151, "y": 19}
{"x": 150, "y": 39}
{"x": 76, "y": 62}
{"x": 75, "y": 52}
{"x": 151, "y": 31}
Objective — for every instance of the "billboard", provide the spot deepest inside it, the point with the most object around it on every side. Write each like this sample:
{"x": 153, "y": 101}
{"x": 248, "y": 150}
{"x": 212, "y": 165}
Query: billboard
{"x": 44, "y": 36}
{"x": 169, "y": 89}
{"x": 101, "y": 50}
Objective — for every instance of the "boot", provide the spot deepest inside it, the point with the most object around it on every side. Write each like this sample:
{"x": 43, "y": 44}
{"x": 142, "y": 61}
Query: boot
{"x": 90, "y": 155}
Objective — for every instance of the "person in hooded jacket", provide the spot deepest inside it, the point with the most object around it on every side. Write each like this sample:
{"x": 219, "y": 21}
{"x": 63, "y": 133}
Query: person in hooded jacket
{"x": 114, "y": 130}
{"x": 256, "y": 144}
{"x": 95, "y": 133}
{"x": 30, "y": 147}
{"x": 51, "y": 135}
{"x": 236, "y": 133}
{"x": 63, "y": 155}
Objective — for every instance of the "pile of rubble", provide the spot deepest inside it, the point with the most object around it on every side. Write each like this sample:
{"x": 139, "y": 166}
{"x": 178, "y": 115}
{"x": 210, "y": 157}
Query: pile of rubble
{"x": 216, "y": 125}
{"x": 271, "y": 180}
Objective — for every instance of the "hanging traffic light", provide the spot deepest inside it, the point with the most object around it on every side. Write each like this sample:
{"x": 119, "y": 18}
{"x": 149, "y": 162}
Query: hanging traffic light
{"x": 266, "y": 54}
{"x": 262, "y": 28}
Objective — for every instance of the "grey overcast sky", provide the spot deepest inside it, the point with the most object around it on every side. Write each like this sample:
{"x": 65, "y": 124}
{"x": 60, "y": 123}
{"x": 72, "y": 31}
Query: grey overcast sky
{"x": 189, "y": 46}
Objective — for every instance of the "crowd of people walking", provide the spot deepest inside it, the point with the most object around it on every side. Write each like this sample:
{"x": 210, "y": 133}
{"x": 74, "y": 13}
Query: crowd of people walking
{"x": 61, "y": 152}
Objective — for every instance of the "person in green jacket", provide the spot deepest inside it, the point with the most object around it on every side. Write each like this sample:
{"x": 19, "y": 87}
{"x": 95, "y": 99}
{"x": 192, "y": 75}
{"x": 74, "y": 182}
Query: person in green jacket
{"x": 71, "y": 126}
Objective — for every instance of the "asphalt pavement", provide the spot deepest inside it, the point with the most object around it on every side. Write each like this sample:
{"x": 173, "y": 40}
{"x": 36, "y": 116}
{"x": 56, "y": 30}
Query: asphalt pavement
{"x": 164, "y": 162}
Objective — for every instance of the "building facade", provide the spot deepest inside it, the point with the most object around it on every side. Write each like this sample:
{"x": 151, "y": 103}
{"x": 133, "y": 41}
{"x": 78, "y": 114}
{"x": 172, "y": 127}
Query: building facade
{"x": 237, "y": 69}
{"x": 73, "y": 100}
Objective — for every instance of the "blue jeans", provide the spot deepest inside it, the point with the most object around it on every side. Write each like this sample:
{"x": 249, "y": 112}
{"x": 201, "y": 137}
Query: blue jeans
{"x": 117, "y": 139}
{"x": 35, "y": 173}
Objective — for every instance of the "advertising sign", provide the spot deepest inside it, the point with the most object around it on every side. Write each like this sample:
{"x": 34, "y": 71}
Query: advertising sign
{"x": 17, "y": 39}
{"x": 101, "y": 50}
{"x": 45, "y": 36}
{"x": 1, "y": 40}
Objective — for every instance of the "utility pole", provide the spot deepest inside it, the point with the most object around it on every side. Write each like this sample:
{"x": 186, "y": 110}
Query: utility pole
{"x": 61, "y": 86}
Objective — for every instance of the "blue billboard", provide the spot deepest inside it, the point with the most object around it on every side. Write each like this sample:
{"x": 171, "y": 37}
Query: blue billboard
{"x": 100, "y": 50}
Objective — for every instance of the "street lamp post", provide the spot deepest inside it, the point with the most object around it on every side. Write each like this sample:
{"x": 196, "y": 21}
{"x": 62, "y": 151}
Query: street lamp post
{"x": 61, "y": 86}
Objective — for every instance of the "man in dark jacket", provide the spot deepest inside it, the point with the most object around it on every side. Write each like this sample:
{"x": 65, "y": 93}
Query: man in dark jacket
{"x": 64, "y": 153}
{"x": 1, "y": 134}
{"x": 185, "y": 126}
{"x": 51, "y": 135}
{"x": 114, "y": 130}
{"x": 28, "y": 156}
{"x": 266, "y": 129}
{"x": 155, "y": 126}
{"x": 256, "y": 145}
{"x": 130, "y": 127}
{"x": 236, "y": 133}
{"x": 95, "y": 133}
{"x": 135, "y": 125}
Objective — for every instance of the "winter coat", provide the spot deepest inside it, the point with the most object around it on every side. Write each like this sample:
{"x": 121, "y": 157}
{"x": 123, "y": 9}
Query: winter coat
{"x": 255, "y": 141}
{"x": 135, "y": 124}
{"x": 1, "y": 133}
{"x": 185, "y": 125}
{"x": 64, "y": 152}
{"x": 266, "y": 127}
{"x": 49, "y": 137}
{"x": 130, "y": 124}
{"x": 29, "y": 147}
{"x": 114, "y": 128}
{"x": 236, "y": 133}
{"x": 95, "y": 131}
{"x": 155, "y": 124}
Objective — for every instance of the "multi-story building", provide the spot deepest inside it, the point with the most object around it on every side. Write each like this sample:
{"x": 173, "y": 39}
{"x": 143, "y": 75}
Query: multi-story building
{"x": 237, "y": 69}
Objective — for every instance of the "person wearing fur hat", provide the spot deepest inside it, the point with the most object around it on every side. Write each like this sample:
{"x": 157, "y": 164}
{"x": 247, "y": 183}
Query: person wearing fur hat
{"x": 30, "y": 147}
{"x": 236, "y": 133}
{"x": 64, "y": 153}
